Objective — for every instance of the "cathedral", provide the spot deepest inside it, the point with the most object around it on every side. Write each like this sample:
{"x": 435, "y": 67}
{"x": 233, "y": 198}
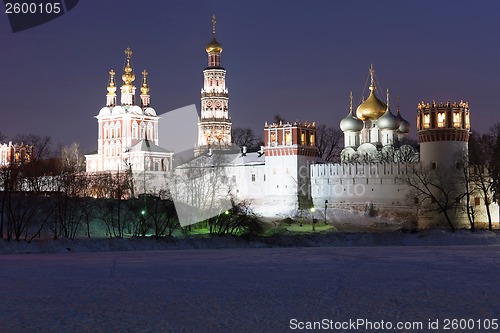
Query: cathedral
{"x": 127, "y": 132}
{"x": 284, "y": 177}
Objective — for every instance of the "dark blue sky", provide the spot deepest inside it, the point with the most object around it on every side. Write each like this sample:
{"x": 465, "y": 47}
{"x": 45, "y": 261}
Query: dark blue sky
{"x": 296, "y": 58}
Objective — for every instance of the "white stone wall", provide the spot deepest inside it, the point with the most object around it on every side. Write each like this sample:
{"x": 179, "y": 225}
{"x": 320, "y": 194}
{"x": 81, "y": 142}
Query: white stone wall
{"x": 376, "y": 183}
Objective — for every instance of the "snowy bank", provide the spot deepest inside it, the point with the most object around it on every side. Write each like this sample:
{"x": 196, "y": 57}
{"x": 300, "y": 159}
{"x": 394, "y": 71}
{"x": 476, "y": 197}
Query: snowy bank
{"x": 432, "y": 237}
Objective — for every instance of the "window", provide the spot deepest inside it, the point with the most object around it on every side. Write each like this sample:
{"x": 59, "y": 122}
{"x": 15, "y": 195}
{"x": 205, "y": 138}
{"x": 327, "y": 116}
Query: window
{"x": 427, "y": 120}
{"x": 273, "y": 139}
{"x": 433, "y": 165}
{"x": 441, "y": 117}
{"x": 150, "y": 132}
{"x": 253, "y": 177}
{"x": 477, "y": 201}
{"x": 456, "y": 119}
{"x": 303, "y": 138}
{"x": 287, "y": 138}
{"x": 311, "y": 138}
{"x": 135, "y": 131}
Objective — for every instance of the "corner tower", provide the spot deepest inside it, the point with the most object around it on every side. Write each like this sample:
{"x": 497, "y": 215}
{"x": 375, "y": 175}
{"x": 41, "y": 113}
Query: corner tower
{"x": 214, "y": 125}
{"x": 443, "y": 132}
{"x": 290, "y": 150}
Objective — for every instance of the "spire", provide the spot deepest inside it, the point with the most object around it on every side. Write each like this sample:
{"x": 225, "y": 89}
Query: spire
{"x": 387, "y": 98}
{"x": 145, "y": 97}
{"x": 128, "y": 76}
{"x": 128, "y": 72}
{"x": 111, "y": 95}
{"x": 214, "y": 49}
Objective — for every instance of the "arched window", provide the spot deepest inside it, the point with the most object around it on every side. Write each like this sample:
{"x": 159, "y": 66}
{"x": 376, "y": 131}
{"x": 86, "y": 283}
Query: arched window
{"x": 135, "y": 130}
{"x": 106, "y": 131}
{"x": 441, "y": 117}
{"x": 150, "y": 131}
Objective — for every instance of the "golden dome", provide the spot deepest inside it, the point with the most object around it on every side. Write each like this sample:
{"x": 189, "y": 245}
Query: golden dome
{"x": 214, "y": 46}
{"x": 111, "y": 85}
{"x": 145, "y": 86}
{"x": 372, "y": 108}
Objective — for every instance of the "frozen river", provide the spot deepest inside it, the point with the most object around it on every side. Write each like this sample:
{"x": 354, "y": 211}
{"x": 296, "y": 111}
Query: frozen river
{"x": 249, "y": 290}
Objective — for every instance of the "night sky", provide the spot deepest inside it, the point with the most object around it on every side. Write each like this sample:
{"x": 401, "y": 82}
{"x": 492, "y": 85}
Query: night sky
{"x": 296, "y": 58}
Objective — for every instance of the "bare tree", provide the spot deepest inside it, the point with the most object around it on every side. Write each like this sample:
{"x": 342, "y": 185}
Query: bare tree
{"x": 480, "y": 151}
{"x": 246, "y": 137}
{"x": 435, "y": 189}
{"x": 72, "y": 158}
{"x": 328, "y": 141}
{"x": 279, "y": 119}
{"x": 238, "y": 220}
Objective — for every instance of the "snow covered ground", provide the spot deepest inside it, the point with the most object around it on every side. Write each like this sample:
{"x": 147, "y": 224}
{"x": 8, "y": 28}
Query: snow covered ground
{"x": 248, "y": 289}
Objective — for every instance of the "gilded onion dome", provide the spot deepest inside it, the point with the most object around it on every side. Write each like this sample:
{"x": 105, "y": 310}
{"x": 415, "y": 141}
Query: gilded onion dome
{"x": 350, "y": 122}
{"x": 372, "y": 108}
{"x": 388, "y": 121}
{"x": 214, "y": 46}
{"x": 404, "y": 126}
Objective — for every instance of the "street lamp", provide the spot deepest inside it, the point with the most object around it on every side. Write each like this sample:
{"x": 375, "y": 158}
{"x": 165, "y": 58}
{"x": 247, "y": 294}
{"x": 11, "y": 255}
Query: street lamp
{"x": 313, "y": 219}
{"x": 326, "y": 206}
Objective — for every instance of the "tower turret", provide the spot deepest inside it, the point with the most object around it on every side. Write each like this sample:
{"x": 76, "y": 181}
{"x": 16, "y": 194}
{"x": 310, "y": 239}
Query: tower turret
{"x": 443, "y": 132}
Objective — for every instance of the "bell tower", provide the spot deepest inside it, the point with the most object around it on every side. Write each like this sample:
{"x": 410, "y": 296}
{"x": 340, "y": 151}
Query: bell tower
{"x": 214, "y": 125}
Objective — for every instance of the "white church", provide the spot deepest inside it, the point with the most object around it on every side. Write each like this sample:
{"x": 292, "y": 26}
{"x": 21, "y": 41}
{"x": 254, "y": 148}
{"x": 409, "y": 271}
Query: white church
{"x": 285, "y": 177}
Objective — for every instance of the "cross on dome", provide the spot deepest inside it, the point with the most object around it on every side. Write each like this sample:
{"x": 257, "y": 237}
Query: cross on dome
{"x": 128, "y": 52}
{"x": 372, "y": 77}
{"x": 214, "y": 22}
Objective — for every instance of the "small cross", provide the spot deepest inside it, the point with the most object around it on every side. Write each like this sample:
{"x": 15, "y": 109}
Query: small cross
{"x": 112, "y": 73}
{"x": 350, "y": 102}
{"x": 145, "y": 73}
{"x": 372, "y": 74}
{"x": 214, "y": 21}
{"x": 128, "y": 52}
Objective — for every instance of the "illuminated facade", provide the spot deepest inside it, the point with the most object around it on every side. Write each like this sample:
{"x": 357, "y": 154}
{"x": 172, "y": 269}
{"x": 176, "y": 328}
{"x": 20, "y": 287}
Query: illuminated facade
{"x": 214, "y": 125}
{"x": 15, "y": 154}
{"x": 128, "y": 133}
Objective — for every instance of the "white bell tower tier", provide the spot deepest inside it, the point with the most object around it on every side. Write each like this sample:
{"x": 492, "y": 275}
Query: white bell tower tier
{"x": 214, "y": 125}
